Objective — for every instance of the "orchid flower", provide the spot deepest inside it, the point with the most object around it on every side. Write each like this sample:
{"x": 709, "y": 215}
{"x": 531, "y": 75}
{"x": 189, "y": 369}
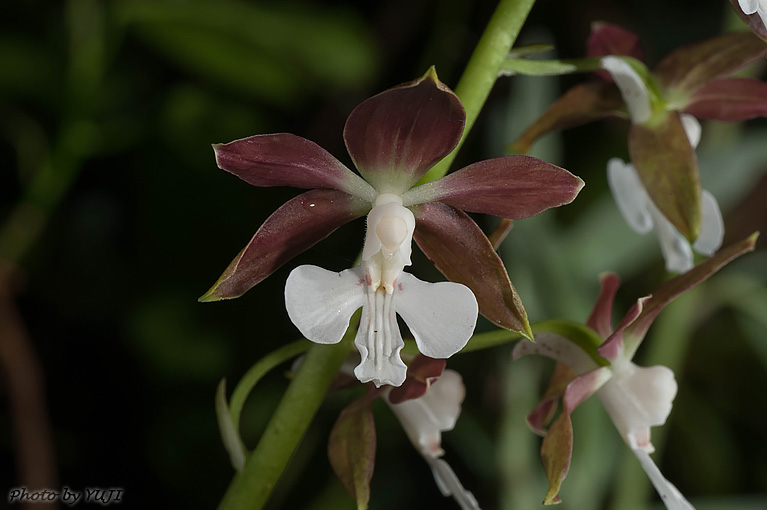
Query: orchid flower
{"x": 425, "y": 418}
{"x": 394, "y": 138}
{"x": 691, "y": 80}
{"x": 636, "y": 398}
{"x": 630, "y": 194}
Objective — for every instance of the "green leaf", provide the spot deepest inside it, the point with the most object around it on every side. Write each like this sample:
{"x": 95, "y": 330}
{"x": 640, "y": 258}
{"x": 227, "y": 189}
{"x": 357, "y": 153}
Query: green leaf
{"x": 530, "y": 49}
{"x": 512, "y": 66}
{"x": 352, "y": 448}
{"x": 582, "y": 336}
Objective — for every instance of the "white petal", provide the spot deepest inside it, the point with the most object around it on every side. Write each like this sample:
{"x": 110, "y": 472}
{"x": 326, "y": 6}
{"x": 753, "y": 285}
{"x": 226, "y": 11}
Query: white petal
{"x": 556, "y": 347}
{"x": 450, "y": 485}
{"x": 674, "y": 246}
{"x": 691, "y": 128}
{"x": 379, "y": 342}
{"x": 441, "y": 315}
{"x": 748, "y": 6}
{"x": 711, "y": 226}
{"x": 632, "y": 88}
{"x": 629, "y": 194}
{"x": 670, "y": 495}
{"x": 321, "y": 302}
{"x": 426, "y": 417}
{"x": 637, "y": 398}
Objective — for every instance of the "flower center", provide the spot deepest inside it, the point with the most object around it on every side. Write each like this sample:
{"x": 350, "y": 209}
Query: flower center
{"x": 387, "y": 242}
{"x": 391, "y": 231}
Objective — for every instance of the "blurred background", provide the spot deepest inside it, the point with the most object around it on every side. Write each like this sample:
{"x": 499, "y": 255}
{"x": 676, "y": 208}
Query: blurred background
{"x": 114, "y": 219}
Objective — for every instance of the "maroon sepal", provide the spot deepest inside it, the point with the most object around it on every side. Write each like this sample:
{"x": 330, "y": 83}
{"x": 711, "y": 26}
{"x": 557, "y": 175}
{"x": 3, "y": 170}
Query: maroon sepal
{"x": 421, "y": 372}
{"x": 352, "y": 449}
{"x": 729, "y": 100}
{"x": 754, "y": 21}
{"x": 684, "y": 282}
{"x": 512, "y": 187}
{"x": 581, "y": 104}
{"x": 608, "y": 39}
{"x": 285, "y": 160}
{"x": 396, "y": 136}
{"x": 297, "y": 225}
{"x": 694, "y": 65}
{"x": 668, "y": 167}
{"x": 459, "y": 248}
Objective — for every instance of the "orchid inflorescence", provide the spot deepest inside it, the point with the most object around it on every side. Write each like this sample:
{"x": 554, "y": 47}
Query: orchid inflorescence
{"x": 394, "y": 139}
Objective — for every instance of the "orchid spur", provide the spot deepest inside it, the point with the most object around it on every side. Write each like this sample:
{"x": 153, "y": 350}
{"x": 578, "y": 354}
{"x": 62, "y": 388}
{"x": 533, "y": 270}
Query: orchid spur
{"x": 636, "y": 398}
{"x": 393, "y": 138}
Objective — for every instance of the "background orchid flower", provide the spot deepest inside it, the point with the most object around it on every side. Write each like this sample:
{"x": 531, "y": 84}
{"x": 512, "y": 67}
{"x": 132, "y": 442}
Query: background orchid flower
{"x": 394, "y": 138}
{"x": 636, "y": 398}
{"x": 425, "y": 418}
{"x": 692, "y": 79}
{"x": 642, "y": 215}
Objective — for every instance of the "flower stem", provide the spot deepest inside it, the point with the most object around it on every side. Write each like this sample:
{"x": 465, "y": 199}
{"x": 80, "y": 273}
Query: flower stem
{"x": 257, "y": 371}
{"x": 252, "y": 486}
{"x": 482, "y": 70}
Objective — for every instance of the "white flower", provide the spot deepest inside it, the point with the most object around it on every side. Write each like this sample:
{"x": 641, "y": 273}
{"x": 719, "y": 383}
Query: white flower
{"x": 441, "y": 316}
{"x": 755, "y": 6}
{"x": 425, "y": 418}
{"x": 643, "y": 215}
{"x": 636, "y": 398}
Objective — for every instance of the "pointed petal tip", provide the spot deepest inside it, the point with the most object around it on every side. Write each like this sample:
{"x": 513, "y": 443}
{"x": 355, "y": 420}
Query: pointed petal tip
{"x": 552, "y": 500}
{"x": 431, "y": 74}
{"x": 210, "y": 296}
{"x": 528, "y": 332}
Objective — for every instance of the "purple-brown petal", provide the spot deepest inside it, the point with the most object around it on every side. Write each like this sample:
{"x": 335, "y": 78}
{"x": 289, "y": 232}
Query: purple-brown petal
{"x": 297, "y": 225}
{"x": 729, "y": 100}
{"x": 581, "y": 104}
{"x": 608, "y": 39}
{"x": 512, "y": 187}
{"x": 284, "y": 159}
{"x": 540, "y": 417}
{"x": 462, "y": 252}
{"x": 396, "y": 136}
{"x": 557, "y": 446}
{"x": 635, "y": 330}
{"x": 754, "y": 21}
{"x": 352, "y": 449}
{"x": 601, "y": 318}
{"x": 668, "y": 167}
{"x": 692, "y": 66}
{"x": 421, "y": 372}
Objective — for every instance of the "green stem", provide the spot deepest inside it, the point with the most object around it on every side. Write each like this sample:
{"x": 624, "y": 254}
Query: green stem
{"x": 252, "y": 486}
{"x": 257, "y": 371}
{"x": 482, "y": 70}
